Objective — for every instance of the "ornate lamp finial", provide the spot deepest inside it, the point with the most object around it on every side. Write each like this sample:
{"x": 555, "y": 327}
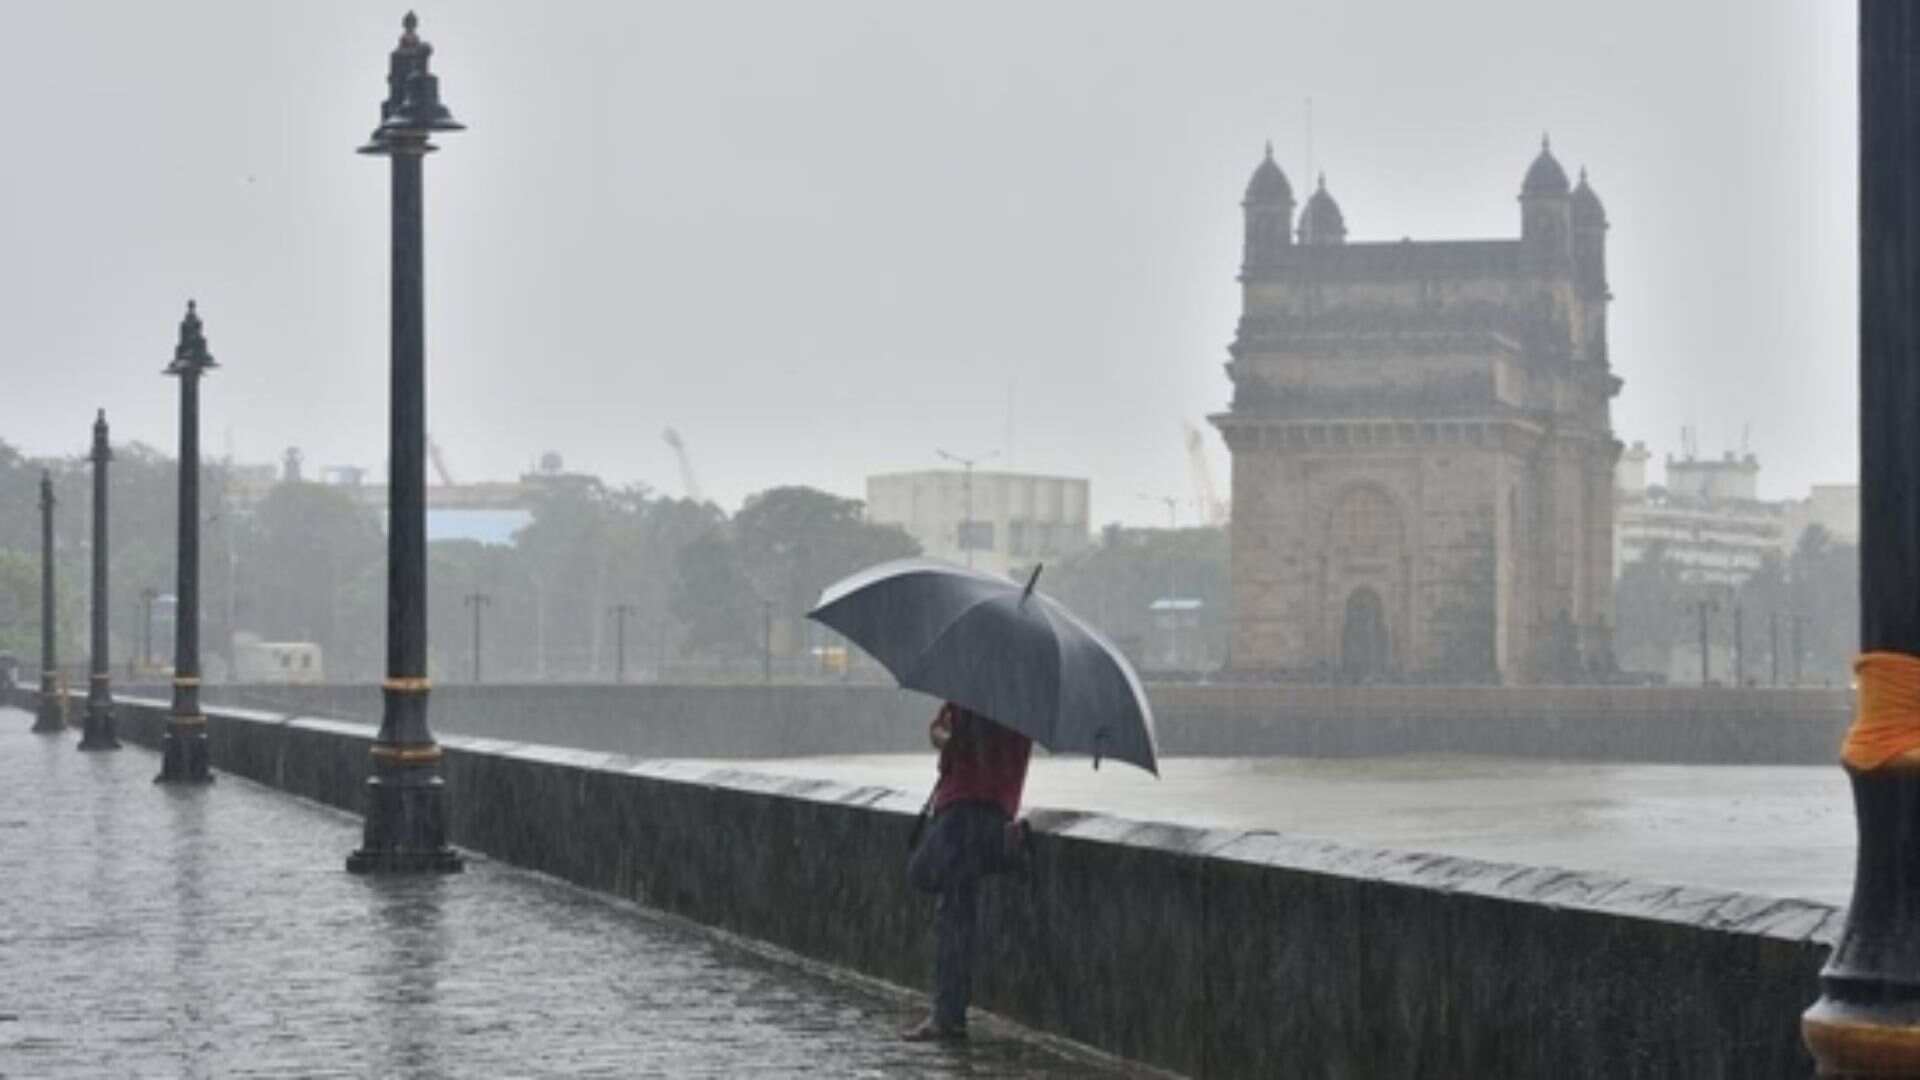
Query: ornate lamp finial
{"x": 190, "y": 355}
{"x": 412, "y": 110}
{"x": 102, "y": 450}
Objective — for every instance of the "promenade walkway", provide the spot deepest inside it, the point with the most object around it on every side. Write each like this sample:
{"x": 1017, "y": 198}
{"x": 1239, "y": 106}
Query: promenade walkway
{"x": 158, "y": 931}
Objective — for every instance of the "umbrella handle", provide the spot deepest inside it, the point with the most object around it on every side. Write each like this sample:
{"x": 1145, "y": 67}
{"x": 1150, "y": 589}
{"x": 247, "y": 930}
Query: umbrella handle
{"x": 1099, "y": 738}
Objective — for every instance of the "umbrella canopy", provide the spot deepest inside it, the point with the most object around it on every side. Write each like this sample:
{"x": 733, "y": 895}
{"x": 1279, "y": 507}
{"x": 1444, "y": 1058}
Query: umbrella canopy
{"x": 999, "y": 649}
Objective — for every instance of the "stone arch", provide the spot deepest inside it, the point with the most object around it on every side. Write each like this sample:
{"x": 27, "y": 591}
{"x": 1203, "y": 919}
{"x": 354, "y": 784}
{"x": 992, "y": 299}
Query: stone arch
{"x": 1365, "y": 581}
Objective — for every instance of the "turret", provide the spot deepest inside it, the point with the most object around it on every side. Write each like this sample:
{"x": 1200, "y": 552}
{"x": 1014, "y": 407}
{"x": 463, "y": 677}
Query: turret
{"x": 1589, "y": 221}
{"x": 1269, "y": 213}
{"x": 1546, "y": 213}
{"x": 1321, "y": 221}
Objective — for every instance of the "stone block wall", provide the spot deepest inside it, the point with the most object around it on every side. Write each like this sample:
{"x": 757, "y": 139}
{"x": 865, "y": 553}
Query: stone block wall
{"x": 1213, "y": 953}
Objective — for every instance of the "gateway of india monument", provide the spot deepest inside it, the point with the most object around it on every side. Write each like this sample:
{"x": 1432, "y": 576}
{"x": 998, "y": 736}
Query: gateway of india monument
{"x": 1422, "y": 452}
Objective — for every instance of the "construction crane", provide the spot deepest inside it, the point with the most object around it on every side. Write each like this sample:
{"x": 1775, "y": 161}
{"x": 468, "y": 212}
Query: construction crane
{"x": 439, "y": 462}
{"x": 687, "y": 481}
{"x": 1212, "y": 510}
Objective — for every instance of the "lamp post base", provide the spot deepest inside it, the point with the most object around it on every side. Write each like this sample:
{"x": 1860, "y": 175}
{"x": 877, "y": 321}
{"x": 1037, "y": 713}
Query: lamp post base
{"x": 1867, "y": 1021}
{"x": 183, "y": 755}
{"x": 49, "y": 718}
{"x": 406, "y": 827}
{"x": 1855, "y": 1041}
{"x": 98, "y": 733}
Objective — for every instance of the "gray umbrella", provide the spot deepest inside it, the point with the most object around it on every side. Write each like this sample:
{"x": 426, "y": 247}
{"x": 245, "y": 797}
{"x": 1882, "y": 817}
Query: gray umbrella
{"x": 999, "y": 649}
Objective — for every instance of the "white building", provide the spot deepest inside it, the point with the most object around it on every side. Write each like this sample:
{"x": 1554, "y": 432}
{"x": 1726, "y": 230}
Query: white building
{"x": 1002, "y": 520}
{"x": 1708, "y": 517}
{"x": 1833, "y": 507}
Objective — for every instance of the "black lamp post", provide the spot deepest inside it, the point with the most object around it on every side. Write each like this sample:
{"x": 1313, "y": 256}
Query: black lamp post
{"x": 1867, "y": 1021}
{"x": 183, "y": 749}
{"x": 406, "y": 823}
{"x": 98, "y": 732}
{"x": 50, "y": 718}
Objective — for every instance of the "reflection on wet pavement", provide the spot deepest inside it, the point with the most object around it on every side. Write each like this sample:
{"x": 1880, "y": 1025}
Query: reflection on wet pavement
{"x": 149, "y": 930}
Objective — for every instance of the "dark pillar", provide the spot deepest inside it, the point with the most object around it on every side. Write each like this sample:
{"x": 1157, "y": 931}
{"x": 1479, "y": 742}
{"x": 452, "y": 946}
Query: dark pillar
{"x": 50, "y": 718}
{"x": 406, "y": 822}
{"x": 98, "y": 733}
{"x": 183, "y": 749}
{"x": 1867, "y": 1021}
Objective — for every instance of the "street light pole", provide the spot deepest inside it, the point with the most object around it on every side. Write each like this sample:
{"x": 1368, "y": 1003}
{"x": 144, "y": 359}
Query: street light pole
{"x": 406, "y": 821}
{"x": 1773, "y": 647}
{"x": 98, "y": 732}
{"x": 766, "y": 642}
{"x": 966, "y": 523}
{"x": 1706, "y": 605}
{"x": 476, "y": 601}
{"x": 183, "y": 749}
{"x": 1865, "y": 1021}
{"x": 1799, "y": 647}
{"x": 147, "y": 596}
{"x": 1739, "y": 648}
{"x": 620, "y": 613}
{"x": 48, "y": 719}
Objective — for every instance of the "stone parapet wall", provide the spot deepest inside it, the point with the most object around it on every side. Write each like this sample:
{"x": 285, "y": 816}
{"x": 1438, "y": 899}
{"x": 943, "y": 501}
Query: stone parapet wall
{"x": 1684, "y": 726}
{"x": 1211, "y": 952}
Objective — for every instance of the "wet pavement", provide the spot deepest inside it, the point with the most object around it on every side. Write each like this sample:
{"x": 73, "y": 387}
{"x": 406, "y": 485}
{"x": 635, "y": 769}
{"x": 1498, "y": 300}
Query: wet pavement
{"x": 1784, "y": 831}
{"x": 154, "y": 931}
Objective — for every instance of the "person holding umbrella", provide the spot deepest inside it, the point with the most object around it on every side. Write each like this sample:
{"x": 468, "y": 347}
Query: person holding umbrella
{"x": 1015, "y": 668}
{"x": 975, "y": 832}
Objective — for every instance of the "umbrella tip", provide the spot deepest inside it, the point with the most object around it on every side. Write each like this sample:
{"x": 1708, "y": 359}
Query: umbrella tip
{"x": 1031, "y": 579}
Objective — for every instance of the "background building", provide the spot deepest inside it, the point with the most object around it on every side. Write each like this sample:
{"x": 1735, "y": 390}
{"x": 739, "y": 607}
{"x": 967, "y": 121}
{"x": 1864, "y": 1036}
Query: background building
{"x": 1833, "y": 507}
{"x": 1422, "y": 449}
{"x": 1707, "y": 519}
{"x": 1003, "y": 520}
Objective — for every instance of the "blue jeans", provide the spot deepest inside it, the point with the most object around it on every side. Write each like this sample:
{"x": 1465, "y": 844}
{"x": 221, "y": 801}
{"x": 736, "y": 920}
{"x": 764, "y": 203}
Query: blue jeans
{"x": 965, "y": 843}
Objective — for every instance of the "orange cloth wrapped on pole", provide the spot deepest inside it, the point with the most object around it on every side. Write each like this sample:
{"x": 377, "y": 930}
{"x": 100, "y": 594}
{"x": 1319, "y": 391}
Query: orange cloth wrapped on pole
{"x": 1886, "y": 711}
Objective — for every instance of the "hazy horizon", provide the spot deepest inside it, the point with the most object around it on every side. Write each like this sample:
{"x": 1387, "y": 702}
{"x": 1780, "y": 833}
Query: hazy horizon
{"x": 824, "y": 242}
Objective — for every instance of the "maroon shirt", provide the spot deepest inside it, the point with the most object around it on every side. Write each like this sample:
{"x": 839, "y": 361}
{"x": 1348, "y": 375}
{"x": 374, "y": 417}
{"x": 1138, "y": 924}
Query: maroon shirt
{"x": 982, "y": 762}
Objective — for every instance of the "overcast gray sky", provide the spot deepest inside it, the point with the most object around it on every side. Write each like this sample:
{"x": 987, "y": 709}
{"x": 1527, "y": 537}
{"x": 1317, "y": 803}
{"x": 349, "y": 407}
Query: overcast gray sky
{"x": 825, "y": 239}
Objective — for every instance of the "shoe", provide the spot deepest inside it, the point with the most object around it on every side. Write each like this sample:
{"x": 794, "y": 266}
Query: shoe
{"x": 928, "y": 1031}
